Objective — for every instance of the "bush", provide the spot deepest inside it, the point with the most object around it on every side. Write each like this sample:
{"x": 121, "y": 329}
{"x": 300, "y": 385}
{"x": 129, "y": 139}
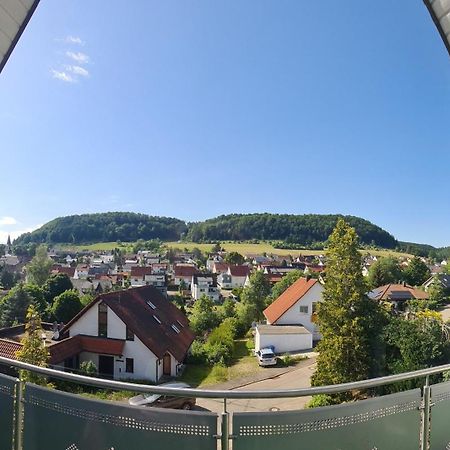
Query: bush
{"x": 219, "y": 372}
{"x": 218, "y": 353}
{"x": 288, "y": 360}
{"x": 197, "y": 354}
{"x": 321, "y": 400}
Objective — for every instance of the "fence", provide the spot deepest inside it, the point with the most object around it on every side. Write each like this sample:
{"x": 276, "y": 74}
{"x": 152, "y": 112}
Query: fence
{"x": 33, "y": 417}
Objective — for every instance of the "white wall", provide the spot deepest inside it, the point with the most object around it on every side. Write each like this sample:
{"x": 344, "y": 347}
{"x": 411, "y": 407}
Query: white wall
{"x": 284, "y": 342}
{"x": 293, "y": 316}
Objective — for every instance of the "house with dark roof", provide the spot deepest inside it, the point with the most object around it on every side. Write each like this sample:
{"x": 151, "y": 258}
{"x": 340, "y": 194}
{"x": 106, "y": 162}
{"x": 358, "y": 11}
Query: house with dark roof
{"x": 291, "y": 318}
{"x": 205, "y": 284}
{"x": 131, "y": 334}
{"x": 397, "y": 294}
{"x": 239, "y": 274}
{"x": 144, "y": 276}
{"x": 184, "y": 273}
{"x": 443, "y": 278}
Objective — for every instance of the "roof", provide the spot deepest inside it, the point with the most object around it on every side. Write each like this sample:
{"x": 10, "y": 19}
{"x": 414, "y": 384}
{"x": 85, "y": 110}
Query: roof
{"x": 185, "y": 270}
{"x": 288, "y": 298}
{"x": 397, "y": 292}
{"x": 71, "y": 346}
{"x": 137, "y": 271}
{"x": 440, "y": 13}
{"x": 239, "y": 271}
{"x": 444, "y": 278}
{"x": 14, "y": 17}
{"x": 281, "y": 329}
{"x": 69, "y": 271}
{"x": 157, "y": 334}
{"x": 220, "y": 267}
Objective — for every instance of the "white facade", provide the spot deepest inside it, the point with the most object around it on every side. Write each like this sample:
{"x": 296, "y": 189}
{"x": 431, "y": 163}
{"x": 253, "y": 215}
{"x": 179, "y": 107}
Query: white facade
{"x": 283, "y": 339}
{"x": 204, "y": 286}
{"x": 146, "y": 364}
{"x": 301, "y": 312}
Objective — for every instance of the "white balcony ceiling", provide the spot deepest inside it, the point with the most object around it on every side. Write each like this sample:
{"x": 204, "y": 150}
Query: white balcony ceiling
{"x": 440, "y": 12}
{"x": 14, "y": 16}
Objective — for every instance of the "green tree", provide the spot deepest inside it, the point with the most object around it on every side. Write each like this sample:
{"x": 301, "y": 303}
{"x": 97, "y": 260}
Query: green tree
{"x": 14, "y": 306}
{"x": 284, "y": 283}
{"x": 7, "y": 278}
{"x": 66, "y": 306}
{"x": 417, "y": 272}
{"x": 385, "y": 271}
{"x": 228, "y": 308}
{"x": 203, "y": 317}
{"x": 56, "y": 285}
{"x": 349, "y": 322}
{"x": 33, "y": 349}
{"x": 38, "y": 270}
{"x": 216, "y": 248}
{"x": 234, "y": 258}
{"x": 416, "y": 343}
{"x": 255, "y": 295}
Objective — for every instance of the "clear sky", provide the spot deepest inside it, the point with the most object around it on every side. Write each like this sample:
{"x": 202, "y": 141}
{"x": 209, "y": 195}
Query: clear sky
{"x": 195, "y": 108}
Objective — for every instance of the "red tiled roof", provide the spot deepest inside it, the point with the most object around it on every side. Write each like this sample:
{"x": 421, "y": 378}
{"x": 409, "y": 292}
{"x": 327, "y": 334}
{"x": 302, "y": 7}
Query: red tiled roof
{"x": 239, "y": 271}
{"x": 131, "y": 307}
{"x": 220, "y": 267}
{"x": 185, "y": 271}
{"x": 8, "y": 349}
{"x": 69, "y": 271}
{"x": 288, "y": 298}
{"x": 137, "y": 271}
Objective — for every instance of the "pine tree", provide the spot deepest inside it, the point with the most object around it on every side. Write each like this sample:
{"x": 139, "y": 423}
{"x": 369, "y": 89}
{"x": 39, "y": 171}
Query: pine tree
{"x": 349, "y": 322}
{"x": 33, "y": 350}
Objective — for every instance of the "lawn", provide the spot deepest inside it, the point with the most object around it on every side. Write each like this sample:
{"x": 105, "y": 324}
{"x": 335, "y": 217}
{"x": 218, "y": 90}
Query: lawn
{"x": 240, "y": 247}
{"x": 243, "y": 364}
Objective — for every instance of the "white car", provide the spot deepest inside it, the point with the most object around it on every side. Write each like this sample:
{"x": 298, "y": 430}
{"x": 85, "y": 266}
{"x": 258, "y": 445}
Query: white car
{"x": 266, "y": 357}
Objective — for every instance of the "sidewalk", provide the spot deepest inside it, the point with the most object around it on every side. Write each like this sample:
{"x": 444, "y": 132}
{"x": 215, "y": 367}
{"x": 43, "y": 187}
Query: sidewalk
{"x": 269, "y": 373}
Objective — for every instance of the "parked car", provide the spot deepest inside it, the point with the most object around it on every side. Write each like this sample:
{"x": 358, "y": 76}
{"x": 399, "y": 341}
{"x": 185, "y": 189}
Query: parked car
{"x": 164, "y": 401}
{"x": 266, "y": 357}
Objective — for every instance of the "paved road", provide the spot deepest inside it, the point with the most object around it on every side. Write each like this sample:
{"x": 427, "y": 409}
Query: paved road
{"x": 297, "y": 378}
{"x": 445, "y": 313}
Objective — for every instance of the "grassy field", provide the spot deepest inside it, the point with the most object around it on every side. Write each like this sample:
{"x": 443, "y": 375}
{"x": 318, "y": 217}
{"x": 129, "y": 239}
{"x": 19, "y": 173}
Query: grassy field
{"x": 243, "y": 248}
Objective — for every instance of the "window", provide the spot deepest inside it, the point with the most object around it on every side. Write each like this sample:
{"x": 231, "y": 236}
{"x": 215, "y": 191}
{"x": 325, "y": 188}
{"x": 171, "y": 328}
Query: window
{"x": 149, "y": 303}
{"x": 174, "y": 328}
{"x": 303, "y": 309}
{"x": 179, "y": 323}
{"x": 129, "y": 365}
{"x": 130, "y": 335}
{"x": 157, "y": 319}
{"x": 103, "y": 320}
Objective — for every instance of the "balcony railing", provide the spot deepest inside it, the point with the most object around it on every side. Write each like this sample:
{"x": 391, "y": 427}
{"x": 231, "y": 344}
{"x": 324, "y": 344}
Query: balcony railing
{"x": 37, "y": 418}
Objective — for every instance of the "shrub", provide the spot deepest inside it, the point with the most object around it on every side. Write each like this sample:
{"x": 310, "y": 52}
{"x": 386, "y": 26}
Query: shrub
{"x": 219, "y": 372}
{"x": 218, "y": 353}
{"x": 197, "y": 353}
{"x": 320, "y": 400}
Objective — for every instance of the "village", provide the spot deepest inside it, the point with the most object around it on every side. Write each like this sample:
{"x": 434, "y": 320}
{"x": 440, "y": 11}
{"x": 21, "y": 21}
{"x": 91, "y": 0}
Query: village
{"x": 161, "y": 314}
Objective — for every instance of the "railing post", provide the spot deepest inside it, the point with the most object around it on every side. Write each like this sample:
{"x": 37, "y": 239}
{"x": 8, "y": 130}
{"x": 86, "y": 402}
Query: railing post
{"x": 18, "y": 423}
{"x": 426, "y": 405}
{"x": 224, "y": 427}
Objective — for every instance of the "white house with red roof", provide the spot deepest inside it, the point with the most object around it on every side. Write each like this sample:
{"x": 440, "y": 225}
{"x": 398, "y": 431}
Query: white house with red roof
{"x": 290, "y": 318}
{"x": 238, "y": 275}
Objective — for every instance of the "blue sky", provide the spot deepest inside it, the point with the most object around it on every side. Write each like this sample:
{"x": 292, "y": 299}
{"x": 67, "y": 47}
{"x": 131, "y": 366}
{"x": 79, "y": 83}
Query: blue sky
{"x": 198, "y": 108}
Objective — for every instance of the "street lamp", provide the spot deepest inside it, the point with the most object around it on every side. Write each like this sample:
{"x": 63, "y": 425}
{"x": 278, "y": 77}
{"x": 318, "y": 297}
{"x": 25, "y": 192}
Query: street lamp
{"x": 440, "y": 13}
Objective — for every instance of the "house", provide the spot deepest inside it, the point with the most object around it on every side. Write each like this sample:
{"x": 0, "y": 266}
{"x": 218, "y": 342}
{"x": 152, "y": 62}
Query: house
{"x": 397, "y": 294}
{"x": 444, "y": 279}
{"x": 220, "y": 267}
{"x": 238, "y": 275}
{"x": 144, "y": 276}
{"x": 294, "y": 309}
{"x": 224, "y": 281}
{"x": 81, "y": 271}
{"x": 205, "y": 284}
{"x": 131, "y": 334}
{"x": 69, "y": 271}
{"x": 184, "y": 272}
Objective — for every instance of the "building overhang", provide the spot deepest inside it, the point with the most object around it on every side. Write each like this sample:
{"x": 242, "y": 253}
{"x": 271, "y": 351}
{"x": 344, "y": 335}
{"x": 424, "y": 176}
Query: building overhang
{"x": 440, "y": 13}
{"x": 14, "y": 17}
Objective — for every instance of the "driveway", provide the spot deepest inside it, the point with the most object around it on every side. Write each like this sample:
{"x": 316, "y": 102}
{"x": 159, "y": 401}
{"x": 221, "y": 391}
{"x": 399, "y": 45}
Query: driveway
{"x": 297, "y": 378}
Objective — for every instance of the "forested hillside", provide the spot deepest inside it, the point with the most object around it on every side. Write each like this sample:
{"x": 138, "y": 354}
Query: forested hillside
{"x": 105, "y": 227}
{"x": 299, "y": 229}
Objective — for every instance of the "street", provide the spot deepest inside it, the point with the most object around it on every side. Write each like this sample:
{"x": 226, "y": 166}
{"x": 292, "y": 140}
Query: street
{"x": 297, "y": 378}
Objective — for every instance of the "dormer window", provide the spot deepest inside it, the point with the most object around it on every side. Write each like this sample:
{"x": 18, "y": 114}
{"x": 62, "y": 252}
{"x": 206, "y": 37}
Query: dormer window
{"x": 174, "y": 328}
{"x": 157, "y": 319}
{"x": 149, "y": 303}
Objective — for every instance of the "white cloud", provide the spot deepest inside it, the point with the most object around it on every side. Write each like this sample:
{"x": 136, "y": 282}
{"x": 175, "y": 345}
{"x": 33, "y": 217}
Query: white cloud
{"x": 7, "y": 220}
{"x": 63, "y": 76}
{"x": 79, "y": 57}
{"x": 73, "y": 40}
{"x": 77, "y": 70}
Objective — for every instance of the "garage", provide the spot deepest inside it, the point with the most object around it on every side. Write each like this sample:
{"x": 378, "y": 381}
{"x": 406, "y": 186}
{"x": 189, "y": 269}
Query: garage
{"x": 284, "y": 338}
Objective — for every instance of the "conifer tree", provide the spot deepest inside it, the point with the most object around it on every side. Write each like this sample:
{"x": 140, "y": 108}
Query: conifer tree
{"x": 33, "y": 350}
{"x": 349, "y": 322}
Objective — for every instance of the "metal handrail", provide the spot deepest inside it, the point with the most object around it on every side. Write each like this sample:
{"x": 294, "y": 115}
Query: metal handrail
{"x": 212, "y": 393}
